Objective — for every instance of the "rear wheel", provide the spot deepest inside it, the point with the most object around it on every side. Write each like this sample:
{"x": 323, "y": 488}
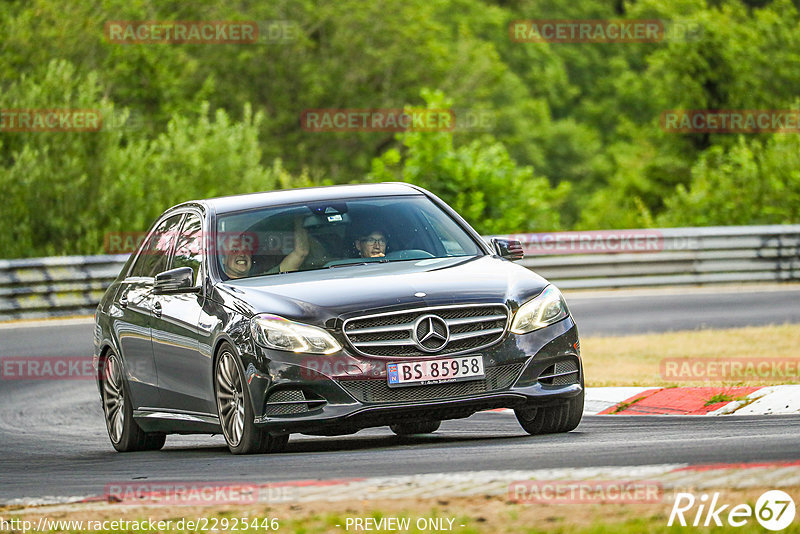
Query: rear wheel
{"x": 125, "y": 434}
{"x": 236, "y": 412}
{"x": 551, "y": 419}
{"x": 416, "y": 427}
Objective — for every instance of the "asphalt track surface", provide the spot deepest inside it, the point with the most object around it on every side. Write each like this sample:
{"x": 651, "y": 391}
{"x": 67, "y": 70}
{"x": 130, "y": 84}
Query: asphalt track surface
{"x": 53, "y": 440}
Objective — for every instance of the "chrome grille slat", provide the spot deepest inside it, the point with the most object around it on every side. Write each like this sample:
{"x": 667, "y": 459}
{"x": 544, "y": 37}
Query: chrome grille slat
{"x": 476, "y": 333}
{"x": 468, "y": 320}
{"x": 385, "y": 343}
{"x": 379, "y": 329}
{"x": 472, "y": 327}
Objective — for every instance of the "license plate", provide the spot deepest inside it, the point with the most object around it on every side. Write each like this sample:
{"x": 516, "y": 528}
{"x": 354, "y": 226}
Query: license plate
{"x": 426, "y": 372}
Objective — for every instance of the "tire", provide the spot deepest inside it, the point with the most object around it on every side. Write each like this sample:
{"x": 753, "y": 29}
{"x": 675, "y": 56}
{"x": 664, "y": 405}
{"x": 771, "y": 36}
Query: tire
{"x": 416, "y": 427}
{"x": 235, "y": 409}
{"x": 124, "y": 433}
{"x": 551, "y": 419}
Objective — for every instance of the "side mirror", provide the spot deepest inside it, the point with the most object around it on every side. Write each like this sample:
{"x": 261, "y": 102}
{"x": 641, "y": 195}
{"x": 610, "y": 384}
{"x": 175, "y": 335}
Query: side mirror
{"x": 510, "y": 249}
{"x": 175, "y": 281}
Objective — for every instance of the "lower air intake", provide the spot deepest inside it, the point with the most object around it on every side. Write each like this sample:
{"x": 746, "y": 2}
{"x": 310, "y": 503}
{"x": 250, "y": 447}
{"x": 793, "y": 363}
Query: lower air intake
{"x": 291, "y": 401}
{"x": 562, "y": 373}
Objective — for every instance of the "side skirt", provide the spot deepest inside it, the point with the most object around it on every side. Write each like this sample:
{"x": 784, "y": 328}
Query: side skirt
{"x": 176, "y": 422}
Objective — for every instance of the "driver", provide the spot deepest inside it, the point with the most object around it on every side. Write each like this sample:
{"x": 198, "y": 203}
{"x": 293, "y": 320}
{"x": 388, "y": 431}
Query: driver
{"x": 238, "y": 263}
{"x": 372, "y": 245}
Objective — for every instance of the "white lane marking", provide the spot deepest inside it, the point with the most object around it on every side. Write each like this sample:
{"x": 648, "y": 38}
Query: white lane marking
{"x": 769, "y": 400}
{"x": 46, "y": 323}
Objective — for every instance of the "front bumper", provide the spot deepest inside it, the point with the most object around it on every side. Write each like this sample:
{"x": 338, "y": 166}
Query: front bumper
{"x": 343, "y": 393}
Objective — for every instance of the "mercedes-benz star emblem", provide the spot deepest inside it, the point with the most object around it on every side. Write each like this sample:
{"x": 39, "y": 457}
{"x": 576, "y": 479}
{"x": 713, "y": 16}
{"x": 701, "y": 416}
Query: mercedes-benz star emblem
{"x": 431, "y": 333}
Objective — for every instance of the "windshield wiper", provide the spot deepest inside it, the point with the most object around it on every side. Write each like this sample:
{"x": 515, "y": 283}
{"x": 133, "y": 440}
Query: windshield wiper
{"x": 350, "y": 264}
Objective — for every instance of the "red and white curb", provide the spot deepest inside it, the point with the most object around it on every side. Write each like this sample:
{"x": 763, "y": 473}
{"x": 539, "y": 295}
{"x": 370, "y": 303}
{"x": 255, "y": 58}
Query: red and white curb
{"x": 767, "y": 400}
{"x": 670, "y": 478}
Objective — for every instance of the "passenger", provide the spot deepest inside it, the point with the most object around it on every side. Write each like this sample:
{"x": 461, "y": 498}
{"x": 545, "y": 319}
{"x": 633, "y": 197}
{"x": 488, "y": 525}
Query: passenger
{"x": 372, "y": 245}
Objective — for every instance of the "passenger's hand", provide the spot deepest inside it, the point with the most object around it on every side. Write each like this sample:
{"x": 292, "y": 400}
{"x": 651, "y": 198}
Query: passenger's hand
{"x": 295, "y": 258}
{"x": 301, "y": 245}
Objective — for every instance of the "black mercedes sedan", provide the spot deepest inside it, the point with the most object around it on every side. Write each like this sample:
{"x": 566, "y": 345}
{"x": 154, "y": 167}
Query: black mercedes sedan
{"x": 324, "y": 311}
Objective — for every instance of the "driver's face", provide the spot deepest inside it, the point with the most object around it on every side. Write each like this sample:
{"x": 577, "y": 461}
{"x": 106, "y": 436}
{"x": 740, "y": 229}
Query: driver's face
{"x": 238, "y": 263}
{"x": 372, "y": 246}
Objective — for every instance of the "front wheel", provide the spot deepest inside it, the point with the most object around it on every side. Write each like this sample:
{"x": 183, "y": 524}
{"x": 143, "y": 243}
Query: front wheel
{"x": 551, "y": 419}
{"x": 236, "y": 412}
{"x": 125, "y": 434}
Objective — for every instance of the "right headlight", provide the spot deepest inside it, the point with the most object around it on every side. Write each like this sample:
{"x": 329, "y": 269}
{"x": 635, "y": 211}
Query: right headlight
{"x": 278, "y": 333}
{"x": 547, "y": 308}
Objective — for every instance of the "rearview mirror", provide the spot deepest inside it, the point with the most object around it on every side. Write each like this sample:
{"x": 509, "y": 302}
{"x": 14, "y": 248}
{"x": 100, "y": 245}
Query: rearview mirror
{"x": 510, "y": 249}
{"x": 175, "y": 281}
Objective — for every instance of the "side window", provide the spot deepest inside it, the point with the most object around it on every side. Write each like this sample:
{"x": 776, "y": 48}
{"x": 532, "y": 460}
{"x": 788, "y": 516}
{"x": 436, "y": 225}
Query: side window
{"x": 189, "y": 249}
{"x": 155, "y": 251}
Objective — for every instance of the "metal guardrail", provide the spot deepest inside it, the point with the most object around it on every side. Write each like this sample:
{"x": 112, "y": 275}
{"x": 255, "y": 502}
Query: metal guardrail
{"x": 72, "y": 285}
{"x": 659, "y": 257}
{"x": 53, "y": 287}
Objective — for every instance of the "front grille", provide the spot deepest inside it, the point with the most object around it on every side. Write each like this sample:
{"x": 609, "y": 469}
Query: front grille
{"x": 471, "y": 328}
{"x": 561, "y": 373}
{"x": 497, "y": 378}
{"x": 291, "y": 401}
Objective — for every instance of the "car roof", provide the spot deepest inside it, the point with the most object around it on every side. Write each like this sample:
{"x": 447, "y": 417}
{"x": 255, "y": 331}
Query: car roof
{"x": 306, "y": 194}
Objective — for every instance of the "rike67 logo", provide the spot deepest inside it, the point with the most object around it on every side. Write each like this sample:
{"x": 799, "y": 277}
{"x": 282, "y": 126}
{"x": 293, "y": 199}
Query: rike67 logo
{"x": 774, "y": 510}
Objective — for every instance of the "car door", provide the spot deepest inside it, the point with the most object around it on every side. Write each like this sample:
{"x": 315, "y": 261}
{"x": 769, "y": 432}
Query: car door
{"x": 133, "y": 303}
{"x": 184, "y": 374}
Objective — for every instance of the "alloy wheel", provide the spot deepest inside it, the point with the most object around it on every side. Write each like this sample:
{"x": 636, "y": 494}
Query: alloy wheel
{"x": 230, "y": 398}
{"x": 114, "y": 398}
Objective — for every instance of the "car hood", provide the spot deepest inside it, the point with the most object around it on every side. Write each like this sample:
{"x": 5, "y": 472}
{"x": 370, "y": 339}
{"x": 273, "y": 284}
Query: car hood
{"x": 324, "y": 295}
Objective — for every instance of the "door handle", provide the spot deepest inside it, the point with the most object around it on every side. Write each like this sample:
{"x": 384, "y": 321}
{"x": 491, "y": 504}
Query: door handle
{"x": 157, "y": 309}
{"x": 123, "y": 302}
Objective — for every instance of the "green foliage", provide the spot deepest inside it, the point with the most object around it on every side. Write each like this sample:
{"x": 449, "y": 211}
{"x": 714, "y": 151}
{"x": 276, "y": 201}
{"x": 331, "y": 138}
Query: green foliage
{"x": 66, "y": 190}
{"x": 750, "y": 183}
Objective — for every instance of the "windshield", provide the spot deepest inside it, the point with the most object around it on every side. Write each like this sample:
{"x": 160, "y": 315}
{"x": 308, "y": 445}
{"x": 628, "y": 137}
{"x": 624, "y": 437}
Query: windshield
{"x": 332, "y": 234}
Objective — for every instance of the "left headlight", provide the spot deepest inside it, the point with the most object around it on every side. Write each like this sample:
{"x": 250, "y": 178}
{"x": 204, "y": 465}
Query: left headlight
{"x": 276, "y": 332}
{"x": 547, "y": 308}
